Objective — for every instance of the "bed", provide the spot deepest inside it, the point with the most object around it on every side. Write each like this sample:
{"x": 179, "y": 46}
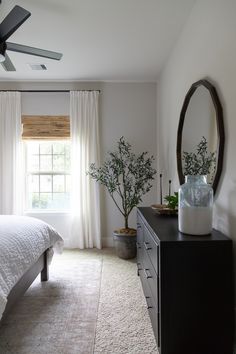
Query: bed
{"x": 26, "y": 248}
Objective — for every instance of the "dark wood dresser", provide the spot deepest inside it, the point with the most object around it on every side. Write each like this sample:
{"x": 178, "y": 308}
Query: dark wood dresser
{"x": 188, "y": 285}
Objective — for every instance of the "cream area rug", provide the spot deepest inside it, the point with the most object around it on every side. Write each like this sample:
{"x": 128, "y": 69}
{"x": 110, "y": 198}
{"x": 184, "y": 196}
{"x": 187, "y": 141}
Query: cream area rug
{"x": 92, "y": 303}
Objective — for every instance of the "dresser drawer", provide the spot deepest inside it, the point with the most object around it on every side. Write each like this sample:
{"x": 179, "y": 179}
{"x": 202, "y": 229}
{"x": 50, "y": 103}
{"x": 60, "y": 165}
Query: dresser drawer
{"x": 140, "y": 249}
{"x": 139, "y": 259}
{"x": 151, "y": 305}
{"x": 139, "y": 244}
{"x": 145, "y": 286}
{"x": 151, "y": 248}
{"x": 154, "y": 317}
{"x": 150, "y": 275}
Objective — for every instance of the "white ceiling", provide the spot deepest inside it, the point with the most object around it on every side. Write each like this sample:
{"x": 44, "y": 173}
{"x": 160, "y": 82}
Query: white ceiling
{"x": 124, "y": 40}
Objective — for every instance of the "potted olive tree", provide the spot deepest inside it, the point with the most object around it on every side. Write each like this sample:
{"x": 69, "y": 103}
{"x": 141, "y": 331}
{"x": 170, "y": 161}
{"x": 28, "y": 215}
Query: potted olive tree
{"x": 127, "y": 178}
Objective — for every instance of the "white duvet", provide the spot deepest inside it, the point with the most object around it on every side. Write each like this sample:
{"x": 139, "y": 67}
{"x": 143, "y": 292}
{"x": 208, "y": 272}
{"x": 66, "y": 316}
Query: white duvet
{"x": 22, "y": 241}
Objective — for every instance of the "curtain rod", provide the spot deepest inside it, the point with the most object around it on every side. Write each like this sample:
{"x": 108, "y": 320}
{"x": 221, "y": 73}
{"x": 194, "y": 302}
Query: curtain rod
{"x": 46, "y": 90}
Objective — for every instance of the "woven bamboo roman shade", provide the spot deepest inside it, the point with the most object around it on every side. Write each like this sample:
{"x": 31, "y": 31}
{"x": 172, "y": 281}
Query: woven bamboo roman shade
{"x": 45, "y": 127}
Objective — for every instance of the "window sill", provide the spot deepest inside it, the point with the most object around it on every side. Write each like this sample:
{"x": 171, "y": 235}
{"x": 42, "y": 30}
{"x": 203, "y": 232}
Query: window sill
{"x": 31, "y": 212}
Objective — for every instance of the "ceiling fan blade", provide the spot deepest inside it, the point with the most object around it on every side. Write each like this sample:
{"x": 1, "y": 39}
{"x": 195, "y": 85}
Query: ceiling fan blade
{"x": 7, "y": 64}
{"x": 33, "y": 51}
{"x": 12, "y": 21}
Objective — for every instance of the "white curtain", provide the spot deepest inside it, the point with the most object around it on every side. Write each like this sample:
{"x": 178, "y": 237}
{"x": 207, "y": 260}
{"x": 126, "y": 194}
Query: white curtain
{"x": 11, "y": 166}
{"x": 85, "y": 231}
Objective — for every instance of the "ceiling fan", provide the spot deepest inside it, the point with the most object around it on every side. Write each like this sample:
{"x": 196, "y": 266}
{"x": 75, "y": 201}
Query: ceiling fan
{"x": 16, "y": 17}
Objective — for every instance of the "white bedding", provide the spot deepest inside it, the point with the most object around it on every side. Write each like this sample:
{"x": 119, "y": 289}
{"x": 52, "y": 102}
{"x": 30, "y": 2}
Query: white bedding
{"x": 22, "y": 240}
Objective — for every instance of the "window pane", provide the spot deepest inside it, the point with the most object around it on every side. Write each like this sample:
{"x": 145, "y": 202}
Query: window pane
{"x": 67, "y": 150}
{"x": 33, "y": 183}
{"x": 33, "y": 163}
{"x": 67, "y": 157}
{"x": 58, "y": 163}
{"x": 47, "y": 189}
{"x": 68, "y": 183}
{"x": 45, "y": 148}
{"x": 58, "y": 183}
{"x": 34, "y": 201}
{"x": 61, "y": 201}
{"x": 45, "y": 200}
{"x": 45, "y": 183}
{"x": 67, "y": 164}
{"x": 33, "y": 147}
{"x": 45, "y": 163}
{"x": 58, "y": 148}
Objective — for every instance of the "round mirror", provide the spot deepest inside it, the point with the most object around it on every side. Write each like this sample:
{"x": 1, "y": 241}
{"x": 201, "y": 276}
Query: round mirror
{"x": 201, "y": 133}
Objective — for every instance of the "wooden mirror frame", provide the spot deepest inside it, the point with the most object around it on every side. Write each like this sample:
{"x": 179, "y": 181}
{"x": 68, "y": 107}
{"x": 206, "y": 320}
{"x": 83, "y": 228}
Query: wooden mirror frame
{"x": 220, "y": 130}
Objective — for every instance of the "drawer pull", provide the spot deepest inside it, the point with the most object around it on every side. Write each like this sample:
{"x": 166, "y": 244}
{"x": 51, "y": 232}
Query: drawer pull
{"x": 148, "y": 306}
{"x": 138, "y": 245}
{"x": 139, "y": 265}
{"x": 146, "y": 245}
{"x": 146, "y": 271}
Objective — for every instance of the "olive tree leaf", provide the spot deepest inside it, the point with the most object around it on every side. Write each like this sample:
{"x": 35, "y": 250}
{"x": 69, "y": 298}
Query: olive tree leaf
{"x": 200, "y": 162}
{"x": 126, "y": 176}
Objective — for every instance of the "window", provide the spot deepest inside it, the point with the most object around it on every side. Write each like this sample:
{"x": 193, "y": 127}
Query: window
{"x": 48, "y": 175}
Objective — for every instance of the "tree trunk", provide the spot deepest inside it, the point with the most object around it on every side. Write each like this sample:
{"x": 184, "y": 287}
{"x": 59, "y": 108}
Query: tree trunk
{"x": 126, "y": 222}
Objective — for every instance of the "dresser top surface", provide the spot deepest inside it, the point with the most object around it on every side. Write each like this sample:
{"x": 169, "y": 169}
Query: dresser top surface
{"x": 166, "y": 228}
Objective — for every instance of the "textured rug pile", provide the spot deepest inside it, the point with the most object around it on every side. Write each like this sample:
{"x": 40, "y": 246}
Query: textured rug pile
{"x": 93, "y": 303}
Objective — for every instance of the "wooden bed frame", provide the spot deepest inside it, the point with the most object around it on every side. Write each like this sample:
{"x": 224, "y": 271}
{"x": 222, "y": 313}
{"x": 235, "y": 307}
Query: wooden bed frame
{"x": 41, "y": 266}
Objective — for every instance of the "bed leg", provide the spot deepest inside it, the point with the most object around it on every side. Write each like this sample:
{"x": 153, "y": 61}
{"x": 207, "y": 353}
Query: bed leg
{"x": 45, "y": 271}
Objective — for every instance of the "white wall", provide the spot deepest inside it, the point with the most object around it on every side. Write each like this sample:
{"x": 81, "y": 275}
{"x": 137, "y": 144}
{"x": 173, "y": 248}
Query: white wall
{"x": 206, "y": 49}
{"x": 127, "y": 109}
